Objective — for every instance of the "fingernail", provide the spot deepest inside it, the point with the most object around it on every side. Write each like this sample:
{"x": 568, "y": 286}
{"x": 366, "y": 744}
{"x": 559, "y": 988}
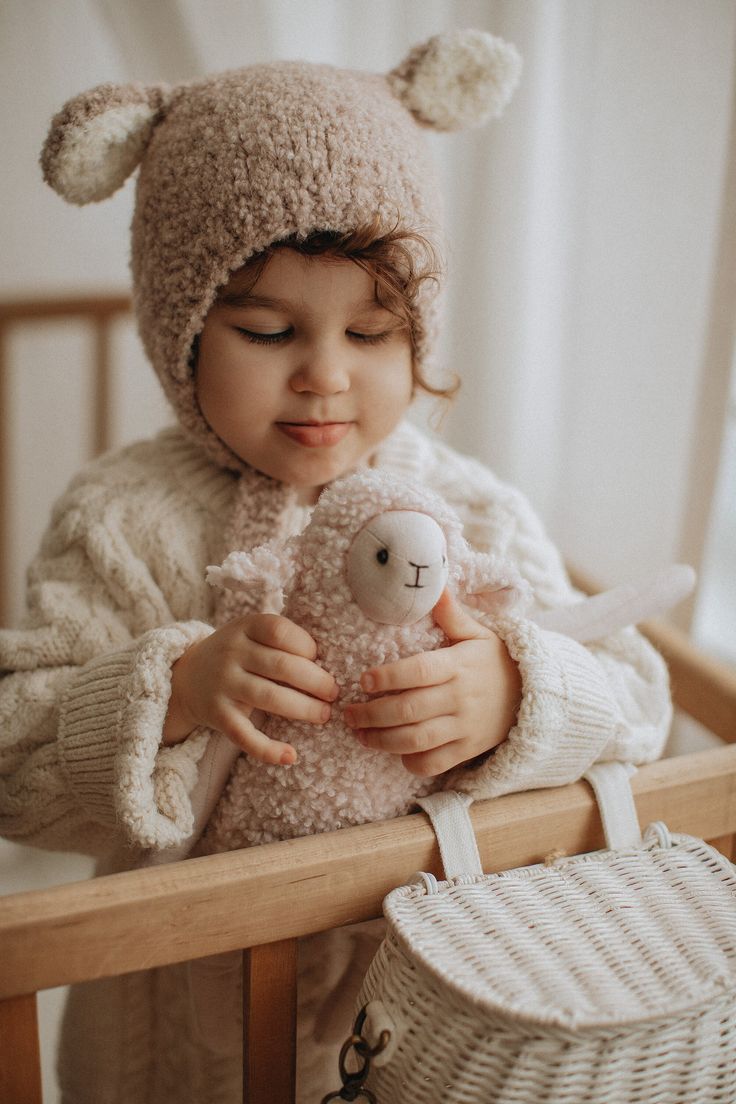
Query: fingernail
{"x": 360, "y": 737}
{"x": 288, "y": 759}
{"x": 326, "y": 711}
{"x": 349, "y": 717}
{"x": 368, "y": 682}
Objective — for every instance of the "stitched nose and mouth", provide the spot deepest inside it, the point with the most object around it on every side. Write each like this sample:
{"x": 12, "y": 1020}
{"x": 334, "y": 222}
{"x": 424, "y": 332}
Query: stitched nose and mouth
{"x": 416, "y": 585}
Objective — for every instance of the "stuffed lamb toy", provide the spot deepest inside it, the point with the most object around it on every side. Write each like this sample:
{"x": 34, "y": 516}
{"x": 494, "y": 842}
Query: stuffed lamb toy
{"x": 362, "y": 579}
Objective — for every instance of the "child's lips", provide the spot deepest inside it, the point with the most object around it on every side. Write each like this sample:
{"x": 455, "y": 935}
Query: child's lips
{"x": 315, "y": 434}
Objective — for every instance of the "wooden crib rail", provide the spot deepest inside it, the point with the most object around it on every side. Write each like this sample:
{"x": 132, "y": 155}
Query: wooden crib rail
{"x": 264, "y": 897}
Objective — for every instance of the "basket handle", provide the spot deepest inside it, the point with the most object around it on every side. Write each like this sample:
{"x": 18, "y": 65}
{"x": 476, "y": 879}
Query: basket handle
{"x": 448, "y": 812}
{"x": 612, "y": 788}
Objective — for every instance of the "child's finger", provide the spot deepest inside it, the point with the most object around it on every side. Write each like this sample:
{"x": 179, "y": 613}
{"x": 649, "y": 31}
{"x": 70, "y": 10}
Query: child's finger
{"x": 245, "y": 734}
{"x": 422, "y": 669}
{"x": 410, "y": 739}
{"x": 455, "y": 622}
{"x": 410, "y": 708}
{"x": 294, "y": 671}
{"x": 428, "y": 764}
{"x": 261, "y": 693}
{"x": 280, "y": 633}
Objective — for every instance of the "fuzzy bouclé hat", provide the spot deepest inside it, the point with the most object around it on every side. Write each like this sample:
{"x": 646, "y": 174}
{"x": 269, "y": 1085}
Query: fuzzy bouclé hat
{"x": 235, "y": 162}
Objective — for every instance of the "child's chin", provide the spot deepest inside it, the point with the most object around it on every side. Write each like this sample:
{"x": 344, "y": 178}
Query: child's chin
{"x": 314, "y": 471}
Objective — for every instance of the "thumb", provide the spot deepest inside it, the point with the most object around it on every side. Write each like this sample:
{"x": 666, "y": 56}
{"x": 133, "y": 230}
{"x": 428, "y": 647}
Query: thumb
{"x": 455, "y": 622}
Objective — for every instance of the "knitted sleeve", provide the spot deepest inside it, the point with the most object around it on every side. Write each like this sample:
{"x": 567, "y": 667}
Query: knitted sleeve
{"x": 84, "y": 692}
{"x": 608, "y": 700}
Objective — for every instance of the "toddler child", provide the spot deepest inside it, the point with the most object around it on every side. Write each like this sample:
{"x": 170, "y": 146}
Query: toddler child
{"x": 286, "y": 288}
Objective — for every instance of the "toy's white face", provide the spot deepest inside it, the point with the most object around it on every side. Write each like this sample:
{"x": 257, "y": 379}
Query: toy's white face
{"x": 397, "y": 567}
{"x": 307, "y": 373}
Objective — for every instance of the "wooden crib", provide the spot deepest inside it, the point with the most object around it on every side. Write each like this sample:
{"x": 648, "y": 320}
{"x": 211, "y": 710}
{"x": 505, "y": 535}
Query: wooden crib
{"x": 262, "y": 899}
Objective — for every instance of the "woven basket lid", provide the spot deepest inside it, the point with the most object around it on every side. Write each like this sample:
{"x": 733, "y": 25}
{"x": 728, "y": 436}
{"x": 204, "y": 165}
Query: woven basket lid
{"x": 596, "y": 941}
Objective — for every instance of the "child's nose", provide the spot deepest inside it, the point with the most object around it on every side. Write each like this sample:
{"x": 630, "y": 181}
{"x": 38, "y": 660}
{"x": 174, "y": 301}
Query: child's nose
{"x": 322, "y": 372}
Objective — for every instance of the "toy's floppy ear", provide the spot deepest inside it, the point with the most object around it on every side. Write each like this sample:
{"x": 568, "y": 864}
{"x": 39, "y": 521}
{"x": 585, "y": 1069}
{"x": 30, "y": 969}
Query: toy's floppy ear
{"x": 272, "y": 564}
{"x": 457, "y": 79}
{"x": 492, "y": 585}
{"x": 628, "y": 604}
{"x": 99, "y": 137}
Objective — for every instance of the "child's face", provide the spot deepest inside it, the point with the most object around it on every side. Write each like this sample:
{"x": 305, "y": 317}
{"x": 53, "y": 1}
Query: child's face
{"x": 308, "y": 373}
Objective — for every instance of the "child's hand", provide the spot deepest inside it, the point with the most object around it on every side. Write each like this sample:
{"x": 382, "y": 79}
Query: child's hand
{"x": 260, "y": 661}
{"x": 452, "y": 704}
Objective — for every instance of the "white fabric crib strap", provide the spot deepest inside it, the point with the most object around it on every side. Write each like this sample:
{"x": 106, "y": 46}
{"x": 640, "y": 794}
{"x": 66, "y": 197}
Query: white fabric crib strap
{"x": 612, "y": 787}
{"x": 448, "y": 812}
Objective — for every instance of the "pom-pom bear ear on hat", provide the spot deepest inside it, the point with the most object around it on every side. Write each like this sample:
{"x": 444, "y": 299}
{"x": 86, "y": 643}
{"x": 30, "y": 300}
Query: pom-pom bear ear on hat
{"x": 98, "y": 139}
{"x": 457, "y": 79}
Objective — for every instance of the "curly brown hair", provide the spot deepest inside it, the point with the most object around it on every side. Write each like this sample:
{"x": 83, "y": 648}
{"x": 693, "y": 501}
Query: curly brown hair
{"x": 399, "y": 261}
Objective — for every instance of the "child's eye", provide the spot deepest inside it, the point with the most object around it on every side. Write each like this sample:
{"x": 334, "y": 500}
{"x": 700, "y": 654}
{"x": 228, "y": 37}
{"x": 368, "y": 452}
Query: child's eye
{"x": 264, "y": 338}
{"x": 370, "y": 338}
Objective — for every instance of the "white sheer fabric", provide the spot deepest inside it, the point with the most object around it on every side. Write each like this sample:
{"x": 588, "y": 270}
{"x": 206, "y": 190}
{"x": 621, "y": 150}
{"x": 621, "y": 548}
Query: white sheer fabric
{"x": 589, "y": 251}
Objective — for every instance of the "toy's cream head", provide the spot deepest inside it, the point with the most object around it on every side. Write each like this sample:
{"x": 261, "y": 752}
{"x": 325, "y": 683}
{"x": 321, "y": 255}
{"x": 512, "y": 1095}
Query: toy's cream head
{"x": 397, "y": 566}
{"x": 234, "y": 163}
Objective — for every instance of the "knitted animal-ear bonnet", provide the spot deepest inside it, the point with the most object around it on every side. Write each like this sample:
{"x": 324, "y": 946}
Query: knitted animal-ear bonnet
{"x": 237, "y": 161}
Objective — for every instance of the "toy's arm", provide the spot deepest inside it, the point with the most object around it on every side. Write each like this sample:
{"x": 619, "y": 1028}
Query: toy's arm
{"x": 629, "y": 604}
{"x": 491, "y": 585}
{"x": 271, "y": 564}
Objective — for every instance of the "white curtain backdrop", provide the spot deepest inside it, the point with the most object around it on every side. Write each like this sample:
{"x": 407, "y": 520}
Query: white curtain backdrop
{"x": 592, "y": 253}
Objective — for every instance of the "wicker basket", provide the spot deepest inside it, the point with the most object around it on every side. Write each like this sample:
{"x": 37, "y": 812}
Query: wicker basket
{"x": 608, "y": 977}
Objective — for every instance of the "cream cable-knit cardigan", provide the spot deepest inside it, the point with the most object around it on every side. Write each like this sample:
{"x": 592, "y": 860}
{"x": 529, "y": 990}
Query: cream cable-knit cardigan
{"x": 116, "y": 594}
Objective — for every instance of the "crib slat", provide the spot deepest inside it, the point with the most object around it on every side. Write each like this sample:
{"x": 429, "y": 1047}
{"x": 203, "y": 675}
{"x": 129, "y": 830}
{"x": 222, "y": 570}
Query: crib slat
{"x": 20, "y": 1054}
{"x": 269, "y": 1023}
{"x": 4, "y": 478}
{"x": 703, "y": 687}
{"x": 97, "y": 311}
{"x": 102, "y": 393}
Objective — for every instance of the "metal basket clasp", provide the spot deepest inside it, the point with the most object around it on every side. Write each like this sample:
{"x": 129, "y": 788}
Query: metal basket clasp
{"x": 352, "y": 1083}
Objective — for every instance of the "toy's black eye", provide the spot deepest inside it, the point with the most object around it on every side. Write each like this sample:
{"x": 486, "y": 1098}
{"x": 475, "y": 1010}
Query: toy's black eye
{"x": 444, "y": 561}
{"x": 382, "y": 555}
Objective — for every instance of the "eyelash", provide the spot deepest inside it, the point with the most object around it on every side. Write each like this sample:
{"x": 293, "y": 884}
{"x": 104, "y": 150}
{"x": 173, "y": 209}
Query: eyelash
{"x": 278, "y": 338}
{"x": 372, "y": 339}
{"x": 264, "y": 339}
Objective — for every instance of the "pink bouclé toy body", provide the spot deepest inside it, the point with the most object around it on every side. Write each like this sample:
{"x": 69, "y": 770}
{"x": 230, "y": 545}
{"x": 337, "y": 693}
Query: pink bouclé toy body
{"x": 362, "y": 579}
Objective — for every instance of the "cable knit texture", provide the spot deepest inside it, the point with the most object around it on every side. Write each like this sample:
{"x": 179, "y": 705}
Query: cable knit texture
{"x": 114, "y": 599}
